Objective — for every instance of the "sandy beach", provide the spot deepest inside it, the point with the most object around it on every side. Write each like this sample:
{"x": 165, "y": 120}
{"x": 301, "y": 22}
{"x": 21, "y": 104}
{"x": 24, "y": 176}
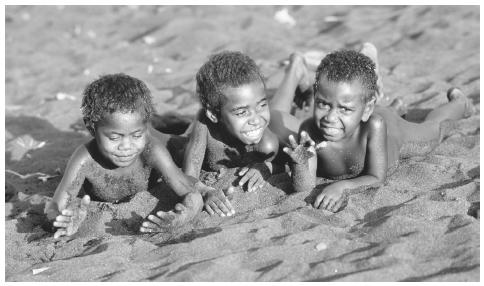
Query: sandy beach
{"x": 422, "y": 225}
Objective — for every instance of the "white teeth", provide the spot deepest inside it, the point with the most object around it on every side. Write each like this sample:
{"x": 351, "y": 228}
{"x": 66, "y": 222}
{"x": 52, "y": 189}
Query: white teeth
{"x": 253, "y": 133}
{"x": 331, "y": 130}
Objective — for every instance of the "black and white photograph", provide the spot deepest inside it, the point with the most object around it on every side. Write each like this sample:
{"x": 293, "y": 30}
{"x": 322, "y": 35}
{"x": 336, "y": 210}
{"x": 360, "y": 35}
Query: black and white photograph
{"x": 242, "y": 143}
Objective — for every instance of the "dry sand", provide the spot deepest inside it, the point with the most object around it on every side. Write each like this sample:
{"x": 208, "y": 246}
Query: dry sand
{"x": 420, "y": 226}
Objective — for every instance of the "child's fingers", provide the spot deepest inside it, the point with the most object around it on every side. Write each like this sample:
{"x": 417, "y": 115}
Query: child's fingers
{"x": 292, "y": 142}
{"x": 228, "y": 204}
{"x": 244, "y": 179}
{"x": 180, "y": 208}
{"x": 221, "y": 173}
{"x": 306, "y": 140}
{"x": 325, "y": 202}
{"x": 318, "y": 201}
{"x": 67, "y": 212}
{"x": 287, "y": 150}
{"x": 243, "y": 171}
{"x": 59, "y": 233}
{"x": 148, "y": 224}
{"x": 337, "y": 206}
{"x": 63, "y": 218}
{"x": 209, "y": 210}
{"x": 146, "y": 229}
{"x": 153, "y": 219}
{"x": 229, "y": 192}
{"x": 86, "y": 200}
{"x": 216, "y": 209}
{"x": 223, "y": 208}
{"x": 60, "y": 224}
{"x": 331, "y": 205}
{"x": 255, "y": 182}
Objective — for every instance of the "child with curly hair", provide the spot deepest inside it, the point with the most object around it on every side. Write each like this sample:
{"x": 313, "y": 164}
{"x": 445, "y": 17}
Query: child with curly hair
{"x": 355, "y": 141}
{"x": 231, "y": 129}
{"x": 117, "y": 163}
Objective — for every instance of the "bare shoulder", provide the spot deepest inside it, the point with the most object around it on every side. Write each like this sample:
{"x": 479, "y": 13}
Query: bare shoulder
{"x": 375, "y": 124}
{"x": 84, "y": 153}
{"x": 269, "y": 142}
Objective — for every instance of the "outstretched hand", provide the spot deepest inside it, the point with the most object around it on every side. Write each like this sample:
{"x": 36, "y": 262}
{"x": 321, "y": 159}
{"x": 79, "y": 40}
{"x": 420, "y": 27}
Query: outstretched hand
{"x": 71, "y": 218}
{"x": 300, "y": 153}
{"x": 168, "y": 221}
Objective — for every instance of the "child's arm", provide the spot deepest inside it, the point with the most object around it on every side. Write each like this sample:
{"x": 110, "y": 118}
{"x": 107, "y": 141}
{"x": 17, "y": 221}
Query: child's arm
{"x": 65, "y": 216}
{"x": 334, "y": 196}
{"x": 304, "y": 162}
{"x": 182, "y": 184}
{"x": 256, "y": 173}
{"x": 195, "y": 150}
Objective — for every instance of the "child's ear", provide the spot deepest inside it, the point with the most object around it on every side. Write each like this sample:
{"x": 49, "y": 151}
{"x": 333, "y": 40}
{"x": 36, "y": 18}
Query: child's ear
{"x": 211, "y": 116}
{"x": 369, "y": 107}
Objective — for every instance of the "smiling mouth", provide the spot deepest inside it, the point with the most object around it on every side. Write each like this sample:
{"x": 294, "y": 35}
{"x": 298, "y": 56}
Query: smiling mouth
{"x": 125, "y": 158}
{"x": 254, "y": 133}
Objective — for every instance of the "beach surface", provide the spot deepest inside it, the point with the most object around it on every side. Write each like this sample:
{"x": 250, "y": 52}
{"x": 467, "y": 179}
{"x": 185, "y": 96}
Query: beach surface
{"x": 422, "y": 225}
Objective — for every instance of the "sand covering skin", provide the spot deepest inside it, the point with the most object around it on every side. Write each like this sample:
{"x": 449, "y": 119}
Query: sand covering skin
{"x": 420, "y": 226}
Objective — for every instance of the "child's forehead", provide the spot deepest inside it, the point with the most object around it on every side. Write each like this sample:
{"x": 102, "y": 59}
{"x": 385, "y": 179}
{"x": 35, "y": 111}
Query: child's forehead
{"x": 123, "y": 118}
{"x": 343, "y": 90}
{"x": 245, "y": 92}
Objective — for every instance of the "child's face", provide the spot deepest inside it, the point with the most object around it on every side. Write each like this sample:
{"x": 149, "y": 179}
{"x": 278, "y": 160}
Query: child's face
{"x": 245, "y": 113}
{"x": 121, "y": 137}
{"x": 339, "y": 108}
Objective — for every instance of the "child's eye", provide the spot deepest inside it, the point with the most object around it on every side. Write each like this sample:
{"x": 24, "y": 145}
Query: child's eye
{"x": 322, "y": 105}
{"x": 138, "y": 135}
{"x": 241, "y": 113}
{"x": 114, "y": 138}
{"x": 345, "y": 110}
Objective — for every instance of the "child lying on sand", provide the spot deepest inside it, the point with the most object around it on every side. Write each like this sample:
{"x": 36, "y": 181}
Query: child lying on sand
{"x": 231, "y": 129}
{"x": 117, "y": 163}
{"x": 355, "y": 141}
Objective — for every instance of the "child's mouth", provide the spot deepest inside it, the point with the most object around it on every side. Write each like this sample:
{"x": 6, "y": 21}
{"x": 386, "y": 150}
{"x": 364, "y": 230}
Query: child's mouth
{"x": 254, "y": 133}
{"x": 331, "y": 130}
{"x": 125, "y": 159}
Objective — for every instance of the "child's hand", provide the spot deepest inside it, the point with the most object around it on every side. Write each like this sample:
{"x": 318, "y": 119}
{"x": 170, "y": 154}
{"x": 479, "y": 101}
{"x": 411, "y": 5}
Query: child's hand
{"x": 71, "y": 218}
{"x": 216, "y": 201}
{"x": 302, "y": 152}
{"x": 332, "y": 198}
{"x": 254, "y": 176}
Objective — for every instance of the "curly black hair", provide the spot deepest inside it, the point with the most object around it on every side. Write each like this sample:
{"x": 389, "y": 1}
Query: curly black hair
{"x": 222, "y": 70}
{"x": 346, "y": 66}
{"x": 114, "y": 92}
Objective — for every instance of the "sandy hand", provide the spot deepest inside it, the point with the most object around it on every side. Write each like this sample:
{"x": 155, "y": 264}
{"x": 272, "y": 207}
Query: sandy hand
{"x": 168, "y": 221}
{"x": 217, "y": 201}
{"x": 254, "y": 176}
{"x": 300, "y": 153}
{"x": 70, "y": 219}
{"x": 333, "y": 198}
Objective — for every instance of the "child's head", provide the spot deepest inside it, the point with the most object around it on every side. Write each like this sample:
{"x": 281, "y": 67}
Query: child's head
{"x": 116, "y": 109}
{"x": 345, "y": 93}
{"x": 232, "y": 92}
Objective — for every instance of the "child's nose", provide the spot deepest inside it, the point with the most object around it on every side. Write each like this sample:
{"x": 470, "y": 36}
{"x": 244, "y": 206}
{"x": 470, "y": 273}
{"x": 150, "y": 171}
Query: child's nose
{"x": 331, "y": 115}
{"x": 255, "y": 119}
{"x": 125, "y": 144}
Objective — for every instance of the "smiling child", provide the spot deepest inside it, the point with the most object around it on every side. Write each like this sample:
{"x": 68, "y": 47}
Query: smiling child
{"x": 117, "y": 163}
